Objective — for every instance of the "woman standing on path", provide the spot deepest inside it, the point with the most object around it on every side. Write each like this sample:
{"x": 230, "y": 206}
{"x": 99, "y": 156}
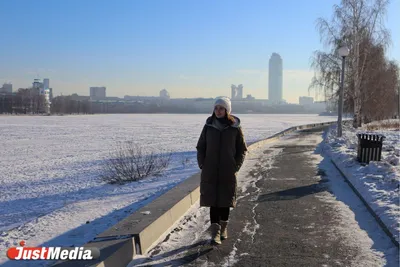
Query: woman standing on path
{"x": 221, "y": 151}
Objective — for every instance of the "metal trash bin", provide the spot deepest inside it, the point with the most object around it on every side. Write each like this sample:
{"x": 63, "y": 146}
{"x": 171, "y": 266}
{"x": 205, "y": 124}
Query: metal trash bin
{"x": 369, "y": 147}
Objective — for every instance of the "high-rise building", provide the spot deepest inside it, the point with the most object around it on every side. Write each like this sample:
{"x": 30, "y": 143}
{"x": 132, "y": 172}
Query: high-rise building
{"x": 6, "y": 88}
{"x": 164, "y": 94}
{"x": 240, "y": 91}
{"x": 98, "y": 92}
{"x": 37, "y": 84}
{"x": 237, "y": 91}
{"x": 233, "y": 91}
{"x": 51, "y": 93}
{"x": 41, "y": 86}
{"x": 275, "y": 79}
{"x": 46, "y": 83}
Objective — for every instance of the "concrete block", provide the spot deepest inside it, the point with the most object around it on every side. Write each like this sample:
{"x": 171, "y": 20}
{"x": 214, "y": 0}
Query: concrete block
{"x": 137, "y": 222}
{"x": 122, "y": 255}
{"x": 150, "y": 236}
{"x": 153, "y": 232}
{"x": 180, "y": 208}
{"x": 116, "y": 253}
{"x": 148, "y": 228}
{"x": 195, "y": 195}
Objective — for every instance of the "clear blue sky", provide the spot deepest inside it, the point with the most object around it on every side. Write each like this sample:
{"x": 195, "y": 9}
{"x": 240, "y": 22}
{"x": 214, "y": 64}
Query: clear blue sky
{"x": 191, "y": 48}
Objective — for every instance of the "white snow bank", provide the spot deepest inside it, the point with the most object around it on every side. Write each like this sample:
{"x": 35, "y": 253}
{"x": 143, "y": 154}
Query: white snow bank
{"x": 378, "y": 182}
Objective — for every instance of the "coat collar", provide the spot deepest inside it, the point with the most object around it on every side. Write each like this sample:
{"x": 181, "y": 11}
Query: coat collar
{"x": 209, "y": 122}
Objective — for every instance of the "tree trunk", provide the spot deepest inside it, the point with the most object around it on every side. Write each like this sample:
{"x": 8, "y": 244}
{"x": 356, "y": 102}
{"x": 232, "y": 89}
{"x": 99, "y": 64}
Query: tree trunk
{"x": 357, "y": 122}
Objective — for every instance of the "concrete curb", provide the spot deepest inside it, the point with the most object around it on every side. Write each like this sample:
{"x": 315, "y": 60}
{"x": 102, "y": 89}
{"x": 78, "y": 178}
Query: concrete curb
{"x": 347, "y": 176}
{"x": 138, "y": 233}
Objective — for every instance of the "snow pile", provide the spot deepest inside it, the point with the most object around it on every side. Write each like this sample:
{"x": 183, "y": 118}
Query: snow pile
{"x": 377, "y": 182}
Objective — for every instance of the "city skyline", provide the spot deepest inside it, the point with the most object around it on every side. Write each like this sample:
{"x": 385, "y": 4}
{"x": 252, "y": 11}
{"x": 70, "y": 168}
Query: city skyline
{"x": 94, "y": 90}
{"x": 138, "y": 48}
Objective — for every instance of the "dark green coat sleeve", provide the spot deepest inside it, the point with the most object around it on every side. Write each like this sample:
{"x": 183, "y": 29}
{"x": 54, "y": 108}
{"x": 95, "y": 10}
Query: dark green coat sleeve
{"x": 201, "y": 148}
{"x": 241, "y": 149}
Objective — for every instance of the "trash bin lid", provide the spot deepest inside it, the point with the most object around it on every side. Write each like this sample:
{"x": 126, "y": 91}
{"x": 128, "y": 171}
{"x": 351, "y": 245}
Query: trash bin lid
{"x": 365, "y": 135}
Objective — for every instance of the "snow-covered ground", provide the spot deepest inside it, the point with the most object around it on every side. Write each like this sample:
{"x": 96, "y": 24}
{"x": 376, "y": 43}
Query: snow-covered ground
{"x": 50, "y": 167}
{"x": 378, "y": 182}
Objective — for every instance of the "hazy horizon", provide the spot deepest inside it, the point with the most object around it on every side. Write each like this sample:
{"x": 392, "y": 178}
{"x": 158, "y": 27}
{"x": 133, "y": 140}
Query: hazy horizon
{"x": 192, "y": 49}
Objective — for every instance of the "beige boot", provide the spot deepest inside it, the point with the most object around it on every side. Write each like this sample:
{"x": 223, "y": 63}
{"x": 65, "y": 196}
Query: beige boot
{"x": 215, "y": 233}
{"x": 224, "y": 230}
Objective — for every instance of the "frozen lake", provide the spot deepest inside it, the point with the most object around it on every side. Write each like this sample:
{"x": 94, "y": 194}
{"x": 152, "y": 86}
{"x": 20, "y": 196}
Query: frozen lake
{"x": 50, "y": 167}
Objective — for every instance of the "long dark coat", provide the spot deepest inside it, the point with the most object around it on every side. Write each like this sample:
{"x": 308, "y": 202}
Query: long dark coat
{"x": 220, "y": 154}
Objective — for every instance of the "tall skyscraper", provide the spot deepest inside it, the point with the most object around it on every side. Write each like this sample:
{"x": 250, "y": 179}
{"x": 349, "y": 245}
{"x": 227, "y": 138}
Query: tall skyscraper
{"x": 40, "y": 86}
{"x": 37, "y": 84}
{"x": 240, "y": 91}
{"x": 46, "y": 83}
{"x": 275, "y": 78}
{"x": 233, "y": 91}
{"x": 237, "y": 91}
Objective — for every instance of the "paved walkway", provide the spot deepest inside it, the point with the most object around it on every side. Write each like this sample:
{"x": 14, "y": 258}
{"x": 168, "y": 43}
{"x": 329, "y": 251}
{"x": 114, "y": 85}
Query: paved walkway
{"x": 296, "y": 210}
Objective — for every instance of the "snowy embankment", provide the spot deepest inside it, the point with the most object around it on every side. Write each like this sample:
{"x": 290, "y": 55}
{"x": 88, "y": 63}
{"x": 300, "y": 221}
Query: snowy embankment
{"x": 50, "y": 167}
{"x": 377, "y": 182}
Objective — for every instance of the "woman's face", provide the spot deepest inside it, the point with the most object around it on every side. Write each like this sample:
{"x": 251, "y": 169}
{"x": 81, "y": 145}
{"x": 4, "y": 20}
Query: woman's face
{"x": 219, "y": 111}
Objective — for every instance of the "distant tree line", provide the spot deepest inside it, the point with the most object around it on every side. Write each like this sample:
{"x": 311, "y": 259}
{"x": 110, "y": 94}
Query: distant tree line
{"x": 30, "y": 101}
{"x": 132, "y": 107}
{"x": 24, "y": 101}
{"x": 70, "y": 105}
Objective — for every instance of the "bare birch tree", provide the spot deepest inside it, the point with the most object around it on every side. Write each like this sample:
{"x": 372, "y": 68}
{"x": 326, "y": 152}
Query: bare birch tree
{"x": 353, "y": 22}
